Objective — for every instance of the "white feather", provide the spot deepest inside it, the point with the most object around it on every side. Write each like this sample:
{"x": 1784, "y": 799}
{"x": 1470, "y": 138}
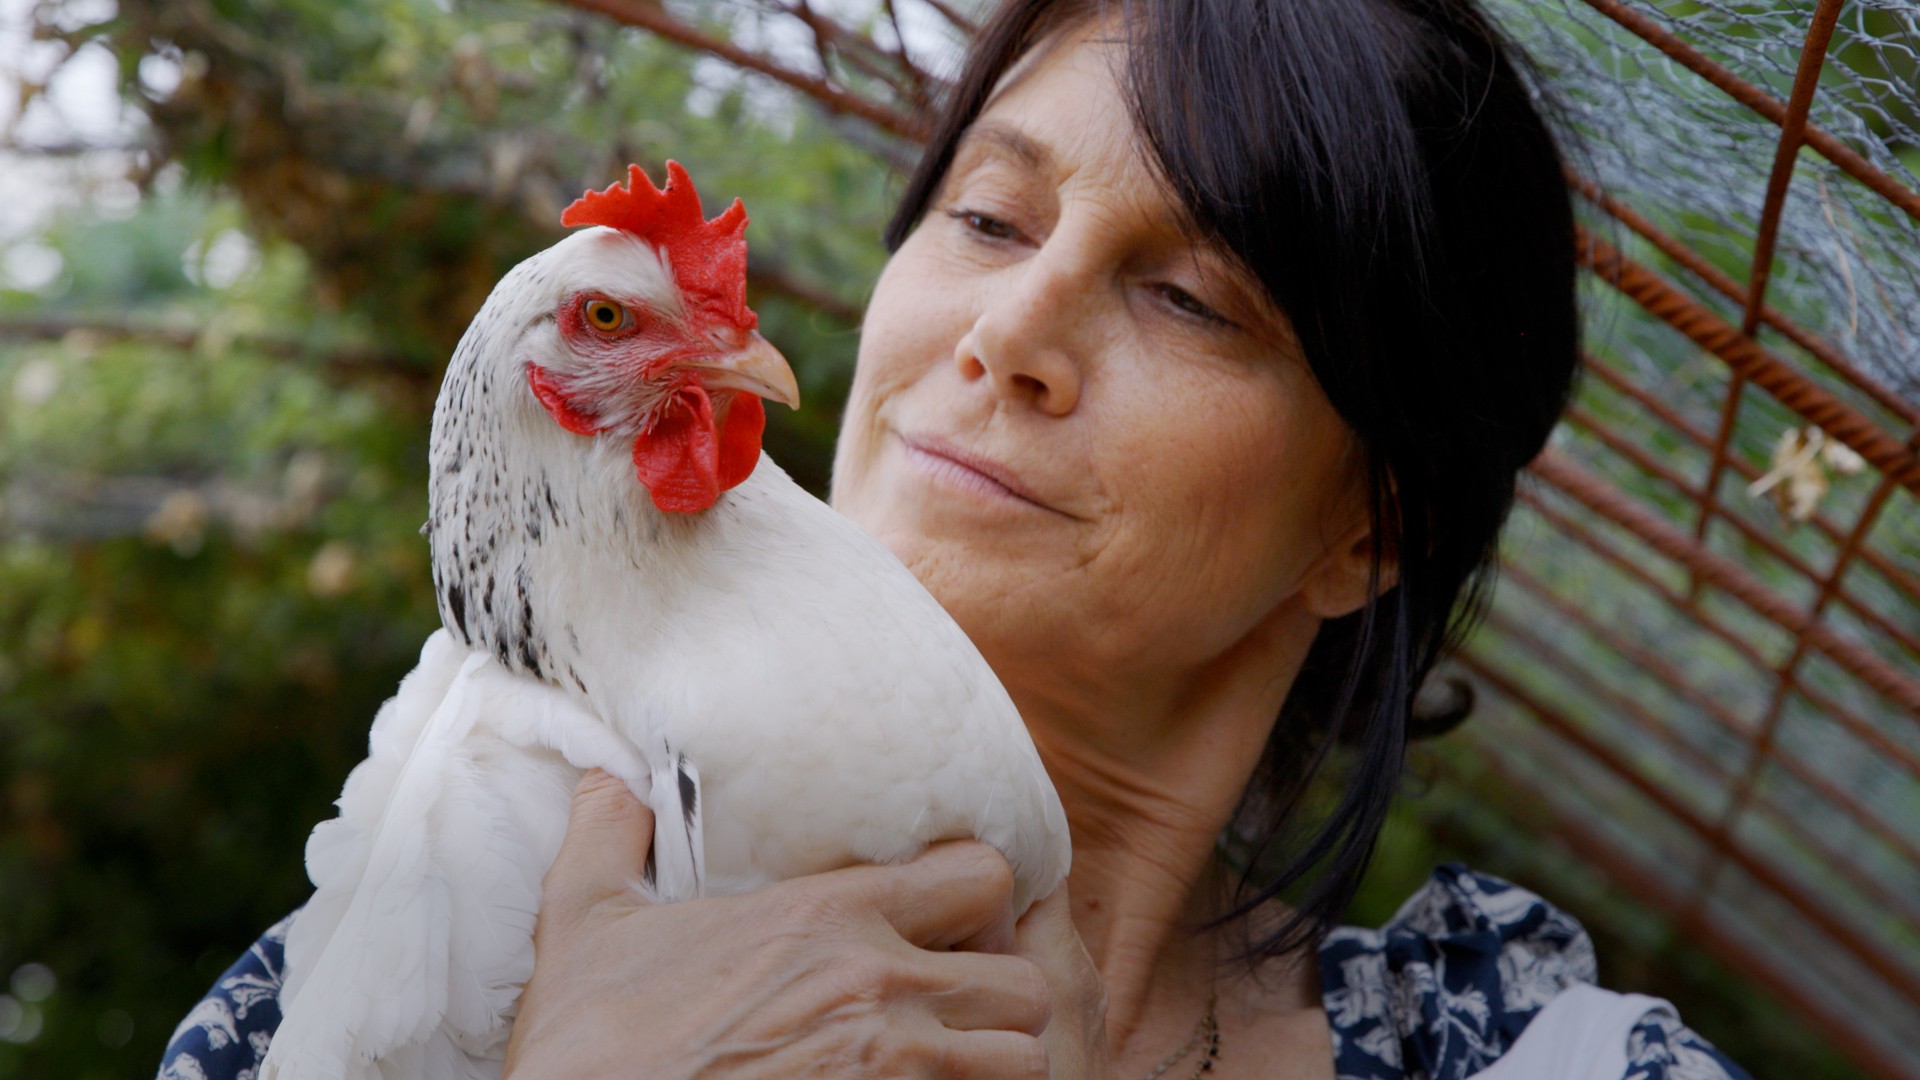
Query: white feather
{"x": 826, "y": 708}
{"x": 678, "y": 856}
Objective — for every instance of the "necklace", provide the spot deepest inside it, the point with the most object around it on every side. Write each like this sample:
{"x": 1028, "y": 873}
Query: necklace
{"x": 1207, "y": 1034}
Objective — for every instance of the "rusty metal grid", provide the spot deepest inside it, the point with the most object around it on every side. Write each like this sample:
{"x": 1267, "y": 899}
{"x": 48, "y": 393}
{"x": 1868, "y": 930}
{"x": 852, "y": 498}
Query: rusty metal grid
{"x": 1715, "y": 701}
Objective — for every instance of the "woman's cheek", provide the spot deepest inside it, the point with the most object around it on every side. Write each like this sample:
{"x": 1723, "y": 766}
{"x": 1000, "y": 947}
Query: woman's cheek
{"x": 900, "y": 344}
{"x": 913, "y": 323}
{"x": 1212, "y": 502}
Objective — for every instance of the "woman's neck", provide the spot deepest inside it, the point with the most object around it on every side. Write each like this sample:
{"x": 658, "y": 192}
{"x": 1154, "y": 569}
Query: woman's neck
{"x": 1149, "y": 777}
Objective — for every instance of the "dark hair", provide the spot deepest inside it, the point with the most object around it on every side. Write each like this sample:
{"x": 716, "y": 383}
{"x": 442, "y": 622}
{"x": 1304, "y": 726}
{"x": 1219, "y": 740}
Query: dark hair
{"x": 1379, "y": 166}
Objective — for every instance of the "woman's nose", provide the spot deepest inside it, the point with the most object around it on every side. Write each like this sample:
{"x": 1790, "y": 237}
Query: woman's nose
{"x": 1023, "y": 343}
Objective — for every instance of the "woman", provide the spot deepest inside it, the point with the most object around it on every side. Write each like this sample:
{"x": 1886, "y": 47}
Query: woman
{"x": 1214, "y": 336}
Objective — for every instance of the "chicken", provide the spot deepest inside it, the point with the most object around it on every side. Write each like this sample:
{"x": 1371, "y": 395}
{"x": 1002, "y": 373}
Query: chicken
{"x": 626, "y": 582}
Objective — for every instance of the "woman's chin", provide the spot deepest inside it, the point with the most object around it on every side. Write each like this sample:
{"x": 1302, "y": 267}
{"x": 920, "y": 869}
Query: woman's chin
{"x": 960, "y": 558}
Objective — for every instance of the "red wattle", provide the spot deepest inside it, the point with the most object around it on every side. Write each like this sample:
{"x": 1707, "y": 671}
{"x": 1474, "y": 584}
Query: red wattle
{"x": 679, "y": 460}
{"x": 547, "y": 389}
{"x": 687, "y": 460}
{"x": 740, "y": 432}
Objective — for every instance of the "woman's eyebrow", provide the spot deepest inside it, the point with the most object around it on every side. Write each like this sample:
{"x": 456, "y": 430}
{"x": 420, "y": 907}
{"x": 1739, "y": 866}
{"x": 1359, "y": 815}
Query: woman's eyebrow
{"x": 1011, "y": 140}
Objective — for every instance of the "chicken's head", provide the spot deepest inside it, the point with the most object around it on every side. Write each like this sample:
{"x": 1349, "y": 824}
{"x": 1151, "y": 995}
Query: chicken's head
{"x": 655, "y": 339}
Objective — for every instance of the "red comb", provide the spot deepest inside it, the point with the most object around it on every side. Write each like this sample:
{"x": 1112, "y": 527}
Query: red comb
{"x": 709, "y": 258}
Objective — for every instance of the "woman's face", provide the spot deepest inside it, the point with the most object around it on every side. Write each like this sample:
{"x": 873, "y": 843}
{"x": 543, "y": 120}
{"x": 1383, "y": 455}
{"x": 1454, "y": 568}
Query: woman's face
{"x": 1086, "y": 435}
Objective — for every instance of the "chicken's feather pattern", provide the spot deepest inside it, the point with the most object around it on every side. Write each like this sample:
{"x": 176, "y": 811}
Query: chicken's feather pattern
{"x": 765, "y": 656}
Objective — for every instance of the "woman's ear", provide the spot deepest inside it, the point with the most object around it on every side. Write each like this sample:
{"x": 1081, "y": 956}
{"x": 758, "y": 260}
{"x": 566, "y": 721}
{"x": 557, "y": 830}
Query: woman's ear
{"x": 1336, "y": 584}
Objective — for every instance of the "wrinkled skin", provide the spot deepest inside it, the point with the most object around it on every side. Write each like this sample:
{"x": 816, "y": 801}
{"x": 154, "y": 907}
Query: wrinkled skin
{"x": 898, "y": 971}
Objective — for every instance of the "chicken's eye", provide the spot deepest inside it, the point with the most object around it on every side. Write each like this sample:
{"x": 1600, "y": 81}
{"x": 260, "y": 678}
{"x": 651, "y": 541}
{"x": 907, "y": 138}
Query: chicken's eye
{"x": 604, "y": 314}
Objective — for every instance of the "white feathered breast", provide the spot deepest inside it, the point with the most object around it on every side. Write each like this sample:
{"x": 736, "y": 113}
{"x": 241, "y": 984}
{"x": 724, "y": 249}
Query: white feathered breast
{"x": 768, "y": 677}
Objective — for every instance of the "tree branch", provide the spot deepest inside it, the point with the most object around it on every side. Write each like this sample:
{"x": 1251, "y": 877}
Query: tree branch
{"x": 830, "y": 41}
{"x": 351, "y": 363}
{"x": 892, "y": 67}
{"x": 960, "y": 22}
{"x": 923, "y": 81}
{"x": 653, "y": 19}
{"x": 77, "y": 148}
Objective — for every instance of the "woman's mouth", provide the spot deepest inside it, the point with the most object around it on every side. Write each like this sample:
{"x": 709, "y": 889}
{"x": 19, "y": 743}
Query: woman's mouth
{"x": 968, "y": 471}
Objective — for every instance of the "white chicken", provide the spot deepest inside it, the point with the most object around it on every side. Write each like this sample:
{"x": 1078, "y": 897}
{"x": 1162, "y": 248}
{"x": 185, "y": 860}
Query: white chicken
{"x": 626, "y": 582}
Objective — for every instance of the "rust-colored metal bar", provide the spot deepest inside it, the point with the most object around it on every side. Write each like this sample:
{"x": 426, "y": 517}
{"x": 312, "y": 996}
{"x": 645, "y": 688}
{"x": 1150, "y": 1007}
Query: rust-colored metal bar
{"x": 1674, "y": 680}
{"x": 1749, "y": 359}
{"x": 1633, "y": 569}
{"x": 1601, "y": 549}
{"x": 1709, "y": 501}
{"x": 1772, "y": 108}
{"x": 1819, "y": 348}
{"x": 1761, "y": 749}
{"x": 1626, "y": 387}
{"x": 1616, "y": 703}
{"x": 653, "y": 18}
{"x": 1659, "y": 470}
{"x": 1875, "y": 956}
{"x": 1633, "y": 879}
{"x": 1806, "y": 79}
{"x": 1646, "y": 720}
{"x": 1633, "y": 452}
{"x": 1793, "y": 128}
{"x": 1609, "y": 502}
{"x": 1895, "y": 575}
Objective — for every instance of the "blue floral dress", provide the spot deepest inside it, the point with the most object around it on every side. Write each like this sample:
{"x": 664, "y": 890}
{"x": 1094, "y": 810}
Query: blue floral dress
{"x": 1438, "y": 993}
{"x": 1448, "y": 984}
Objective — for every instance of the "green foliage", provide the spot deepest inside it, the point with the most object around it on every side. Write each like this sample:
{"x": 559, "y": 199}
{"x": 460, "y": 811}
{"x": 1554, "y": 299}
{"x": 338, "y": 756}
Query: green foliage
{"x": 209, "y": 578}
{"x": 211, "y": 484}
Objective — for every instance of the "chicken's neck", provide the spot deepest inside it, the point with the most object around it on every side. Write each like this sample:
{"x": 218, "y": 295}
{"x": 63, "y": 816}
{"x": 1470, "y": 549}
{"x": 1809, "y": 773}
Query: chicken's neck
{"x": 543, "y": 540}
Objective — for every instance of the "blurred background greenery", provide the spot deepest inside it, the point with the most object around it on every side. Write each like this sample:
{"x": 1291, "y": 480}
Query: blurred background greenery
{"x": 239, "y": 239}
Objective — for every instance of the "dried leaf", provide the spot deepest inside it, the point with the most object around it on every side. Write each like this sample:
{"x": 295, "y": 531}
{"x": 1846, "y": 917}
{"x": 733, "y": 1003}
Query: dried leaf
{"x": 1797, "y": 475}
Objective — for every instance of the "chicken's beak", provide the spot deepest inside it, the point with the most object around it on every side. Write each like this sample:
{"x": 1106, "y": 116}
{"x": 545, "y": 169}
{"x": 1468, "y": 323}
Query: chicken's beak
{"x": 757, "y": 368}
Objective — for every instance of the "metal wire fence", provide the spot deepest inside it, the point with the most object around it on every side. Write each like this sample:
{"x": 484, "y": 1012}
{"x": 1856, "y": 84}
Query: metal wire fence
{"x": 1734, "y": 733}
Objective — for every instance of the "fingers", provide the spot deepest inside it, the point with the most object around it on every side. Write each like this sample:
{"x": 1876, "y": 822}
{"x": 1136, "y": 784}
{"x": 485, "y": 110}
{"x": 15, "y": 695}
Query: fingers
{"x": 1047, "y": 926}
{"x": 1076, "y": 1035}
{"x": 970, "y": 991}
{"x": 1047, "y": 937}
{"x": 993, "y": 1055}
{"x": 608, "y": 835}
{"x": 954, "y": 895}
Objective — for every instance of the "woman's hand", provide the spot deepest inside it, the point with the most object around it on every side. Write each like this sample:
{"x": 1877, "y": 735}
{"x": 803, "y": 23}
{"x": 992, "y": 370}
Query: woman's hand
{"x": 864, "y": 972}
{"x": 1076, "y": 1038}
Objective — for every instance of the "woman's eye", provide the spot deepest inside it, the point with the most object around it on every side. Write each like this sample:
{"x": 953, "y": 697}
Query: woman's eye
{"x": 990, "y": 227}
{"x": 1191, "y": 304}
{"x": 604, "y": 315}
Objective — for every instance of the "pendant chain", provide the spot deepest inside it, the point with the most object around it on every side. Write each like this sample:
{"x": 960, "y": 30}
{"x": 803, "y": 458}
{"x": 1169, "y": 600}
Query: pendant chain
{"x": 1206, "y": 1035}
